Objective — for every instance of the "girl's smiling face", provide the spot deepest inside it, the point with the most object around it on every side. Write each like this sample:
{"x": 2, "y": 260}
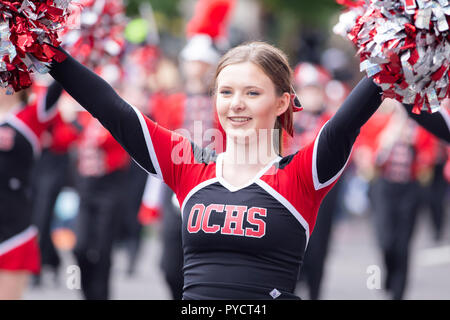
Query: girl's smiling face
{"x": 247, "y": 101}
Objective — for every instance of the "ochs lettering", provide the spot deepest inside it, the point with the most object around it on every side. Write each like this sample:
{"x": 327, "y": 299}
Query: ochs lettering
{"x": 235, "y": 215}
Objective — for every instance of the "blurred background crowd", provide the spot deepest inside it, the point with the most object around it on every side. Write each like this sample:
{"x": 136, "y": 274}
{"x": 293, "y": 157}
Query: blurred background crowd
{"x": 95, "y": 208}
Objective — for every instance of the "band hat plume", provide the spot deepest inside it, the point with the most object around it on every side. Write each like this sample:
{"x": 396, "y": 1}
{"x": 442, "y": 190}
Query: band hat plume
{"x": 200, "y": 48}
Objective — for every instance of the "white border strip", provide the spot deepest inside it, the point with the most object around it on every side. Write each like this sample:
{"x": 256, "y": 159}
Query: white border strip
{"x": 18, "y": 240}
{"x": 150, "y": 148}
{"x": 446, "y": 117}
{"x": 43, "y": 115}
{"x": 26, "y": 132}
{"x": 152, "y": 196}
{"x": 231, "y": 188}
{"x": 288, "y": 206}
{"x": 315, "y": 175}
{"x": 195, "y": 189}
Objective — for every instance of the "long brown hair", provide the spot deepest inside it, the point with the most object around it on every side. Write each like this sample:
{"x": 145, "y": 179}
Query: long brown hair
{"x": 275, "y": 65}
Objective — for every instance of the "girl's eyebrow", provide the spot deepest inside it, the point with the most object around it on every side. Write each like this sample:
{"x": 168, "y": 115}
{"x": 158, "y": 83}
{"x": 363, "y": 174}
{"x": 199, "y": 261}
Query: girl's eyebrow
{"x": 253, "y": 87}
{"x": 246, "y": 87}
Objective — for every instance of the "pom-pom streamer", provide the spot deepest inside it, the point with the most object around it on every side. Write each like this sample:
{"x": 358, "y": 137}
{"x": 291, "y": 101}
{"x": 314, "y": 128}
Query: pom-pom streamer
{"x": 28, "y": 35}
{"x": 99, "y": 39}
{"x": 404, "y": 46}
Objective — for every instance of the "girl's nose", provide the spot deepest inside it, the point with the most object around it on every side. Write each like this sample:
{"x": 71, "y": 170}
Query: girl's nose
{"x": 237, "y": 102}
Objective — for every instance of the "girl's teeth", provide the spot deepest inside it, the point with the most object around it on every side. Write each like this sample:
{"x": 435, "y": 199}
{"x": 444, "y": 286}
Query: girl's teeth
{"x": 240, "y": 119}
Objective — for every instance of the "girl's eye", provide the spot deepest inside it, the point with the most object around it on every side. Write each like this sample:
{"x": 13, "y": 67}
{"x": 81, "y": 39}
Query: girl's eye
{"x": 225, "y": 92}
{"x": 253, "y": 93}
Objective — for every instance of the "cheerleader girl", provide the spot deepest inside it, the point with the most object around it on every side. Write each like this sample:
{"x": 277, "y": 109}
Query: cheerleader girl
{"x": 20, "y": 132}
{"x": 247, "y": 212}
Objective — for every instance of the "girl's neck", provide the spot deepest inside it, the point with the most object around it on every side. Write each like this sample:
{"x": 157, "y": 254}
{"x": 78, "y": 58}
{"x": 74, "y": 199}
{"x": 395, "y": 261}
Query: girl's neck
{"x": 254, "y": 154}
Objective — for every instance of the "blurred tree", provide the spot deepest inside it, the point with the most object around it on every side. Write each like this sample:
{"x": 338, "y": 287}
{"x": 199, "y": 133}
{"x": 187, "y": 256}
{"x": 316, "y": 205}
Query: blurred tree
{"x": 314, "y": 13}
{"x": 166, "y": 7}
{"x": 167, "y": 14}
{"x": 299, "y": 27}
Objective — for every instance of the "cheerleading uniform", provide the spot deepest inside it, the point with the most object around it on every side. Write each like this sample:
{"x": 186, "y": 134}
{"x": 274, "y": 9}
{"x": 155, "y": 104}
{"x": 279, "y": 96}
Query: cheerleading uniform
{"x": 246, "y": 242}
{"x": 20, "y": 134}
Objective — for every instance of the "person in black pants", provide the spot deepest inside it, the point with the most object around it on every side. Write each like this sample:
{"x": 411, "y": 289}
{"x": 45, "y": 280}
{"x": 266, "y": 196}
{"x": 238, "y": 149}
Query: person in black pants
{"x": 130, "y": 232}
{"x": 395, "y": 211}
{"x": 50, "y": 176}
{"x": 51, "y": 172}
{"x": 402, "y": 164}
{"x": 102, "y": 174}
{"x": 97, "y": 223}
{"x": 434, "y": 195}
{"x": 437, "y": 124}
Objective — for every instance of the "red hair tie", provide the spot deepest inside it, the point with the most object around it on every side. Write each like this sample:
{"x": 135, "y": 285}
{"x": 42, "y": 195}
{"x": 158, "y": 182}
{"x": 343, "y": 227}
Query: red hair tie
{"x": 286, "y": 118}
{"x": 296, "y": 106}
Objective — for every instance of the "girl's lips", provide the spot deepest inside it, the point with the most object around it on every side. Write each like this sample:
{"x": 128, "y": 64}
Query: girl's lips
{"x": 239, "y": 120}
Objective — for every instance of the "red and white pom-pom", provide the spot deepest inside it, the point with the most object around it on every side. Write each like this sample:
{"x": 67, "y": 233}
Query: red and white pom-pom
{"x": 404, "y": 45}
{"x": 99, "y": 38}
{"x": 28, "y": 30}
{"x": 347, "y": 19}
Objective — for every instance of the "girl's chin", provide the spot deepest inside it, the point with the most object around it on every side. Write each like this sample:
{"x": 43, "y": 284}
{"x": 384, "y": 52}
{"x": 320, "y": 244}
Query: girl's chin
{"x": 241, "y": 132}
{"x": 246, "y": 136}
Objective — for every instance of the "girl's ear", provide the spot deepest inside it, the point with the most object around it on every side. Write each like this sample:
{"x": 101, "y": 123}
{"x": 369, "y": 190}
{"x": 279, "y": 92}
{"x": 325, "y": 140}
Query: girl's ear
{"x": 283, "y": 103}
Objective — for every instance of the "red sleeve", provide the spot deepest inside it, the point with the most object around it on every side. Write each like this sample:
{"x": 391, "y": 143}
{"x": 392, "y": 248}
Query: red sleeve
{"x": 117, "y": 158}
{"x": 31, "y": 124}
{"x": 63, "y": 135}
{"x": 311, "y": 190}
{"x": 29, "y": 116}
{"x": 426, "y": 146}
{"x": 171, "y": 154}
{"x": 296, "y": 182}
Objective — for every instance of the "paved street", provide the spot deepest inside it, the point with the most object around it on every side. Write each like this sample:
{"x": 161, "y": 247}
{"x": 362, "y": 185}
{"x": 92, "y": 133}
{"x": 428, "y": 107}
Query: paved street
{"x": 352, "y": 251}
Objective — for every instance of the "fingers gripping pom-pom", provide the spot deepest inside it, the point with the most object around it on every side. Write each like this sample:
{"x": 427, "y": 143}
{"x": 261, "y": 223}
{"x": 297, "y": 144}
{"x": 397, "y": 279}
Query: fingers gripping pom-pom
{"x": 404, "y": 46}
{"x": 28, "y": 35}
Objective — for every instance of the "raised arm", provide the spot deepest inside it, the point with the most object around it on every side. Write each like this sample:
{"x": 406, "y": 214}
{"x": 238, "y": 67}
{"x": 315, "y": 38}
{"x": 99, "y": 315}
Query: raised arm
{"x": 437, "y": 123}
{"x": 148, "y": 143}
{"x": 335, "y": 141}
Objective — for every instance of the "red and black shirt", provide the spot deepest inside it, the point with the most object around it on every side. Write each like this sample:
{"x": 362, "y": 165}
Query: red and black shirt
{"x": 20, "y": 133}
